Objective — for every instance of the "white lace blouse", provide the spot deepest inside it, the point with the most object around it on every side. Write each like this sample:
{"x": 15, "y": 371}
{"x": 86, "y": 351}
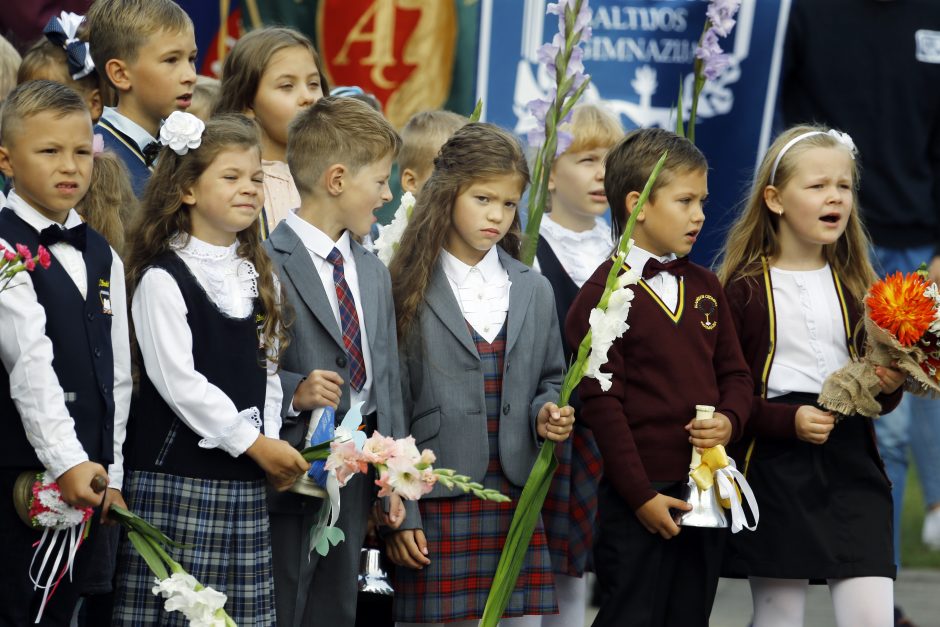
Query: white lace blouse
{"x": 482, "y": 291}
{"x": 166, "y": 344}
{"x": 810, "y": 331}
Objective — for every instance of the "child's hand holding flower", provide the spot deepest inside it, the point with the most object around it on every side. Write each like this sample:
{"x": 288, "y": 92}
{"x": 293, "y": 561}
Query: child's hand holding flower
{"x": 555, "y": 423}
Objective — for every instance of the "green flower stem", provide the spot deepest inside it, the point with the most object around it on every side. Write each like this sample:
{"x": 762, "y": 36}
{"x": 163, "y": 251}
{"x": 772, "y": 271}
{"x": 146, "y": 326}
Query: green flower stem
{"x": 698, "y": 84}
{"x": 451, "y": 480}
{"x": 540, "y": 478}
{"x": 560, "y": 107}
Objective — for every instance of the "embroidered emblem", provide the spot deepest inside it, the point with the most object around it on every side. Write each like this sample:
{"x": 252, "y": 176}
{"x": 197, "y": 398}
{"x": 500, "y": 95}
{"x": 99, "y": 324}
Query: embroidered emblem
{"x": 928, "y": 46}
{"x": 103, "y": 283}
{"x": 707, "y": 304}
{"x": 105, "y": 296}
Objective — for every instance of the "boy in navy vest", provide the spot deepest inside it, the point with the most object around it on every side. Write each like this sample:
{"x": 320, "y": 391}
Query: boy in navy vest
{"x": 147, "y": 51}
{"x": 63, "y": 341}
{"x": 680, "y": 351}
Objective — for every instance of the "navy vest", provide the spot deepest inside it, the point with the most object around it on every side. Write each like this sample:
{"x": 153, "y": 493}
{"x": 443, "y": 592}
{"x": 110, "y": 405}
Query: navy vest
{"x": 226, "y": 352}
{"x": 80, "y": 331}
{"x": 127, "y": 149}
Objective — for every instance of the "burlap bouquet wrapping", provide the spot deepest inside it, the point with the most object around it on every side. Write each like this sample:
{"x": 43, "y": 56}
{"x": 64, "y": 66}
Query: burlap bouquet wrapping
{"x": 854, "y": 388}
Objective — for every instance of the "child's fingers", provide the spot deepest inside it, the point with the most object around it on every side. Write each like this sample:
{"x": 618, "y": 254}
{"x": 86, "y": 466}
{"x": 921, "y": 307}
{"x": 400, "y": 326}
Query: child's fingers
{"x": 330, "y": 376}
{"x": 410, "y": 553}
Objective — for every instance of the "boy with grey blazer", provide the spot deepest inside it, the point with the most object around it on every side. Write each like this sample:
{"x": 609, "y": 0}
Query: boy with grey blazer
{"x": 343, "y": 345}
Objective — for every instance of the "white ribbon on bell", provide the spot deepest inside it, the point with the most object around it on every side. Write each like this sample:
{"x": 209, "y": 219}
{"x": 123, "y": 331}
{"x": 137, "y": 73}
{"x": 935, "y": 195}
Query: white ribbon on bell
{"x": 725, "y": 479}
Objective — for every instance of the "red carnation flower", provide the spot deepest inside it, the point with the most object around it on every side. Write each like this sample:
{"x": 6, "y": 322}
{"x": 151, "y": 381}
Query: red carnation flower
{"x": 24, "y": 252}
{"x": 45, "y": 259}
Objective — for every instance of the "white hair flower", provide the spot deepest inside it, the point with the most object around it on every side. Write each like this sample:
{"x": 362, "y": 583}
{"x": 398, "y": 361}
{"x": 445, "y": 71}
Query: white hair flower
{"x": 182, "y": 132}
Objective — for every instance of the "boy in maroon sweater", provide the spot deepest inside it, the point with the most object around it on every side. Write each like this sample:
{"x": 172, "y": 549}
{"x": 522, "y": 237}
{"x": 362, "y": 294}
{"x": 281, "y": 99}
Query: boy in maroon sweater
{"x": 680, "y": 351}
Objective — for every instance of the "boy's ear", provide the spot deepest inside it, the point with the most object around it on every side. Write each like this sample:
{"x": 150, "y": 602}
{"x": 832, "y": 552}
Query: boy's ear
{"x": 772, "y": 198}
{"x": 6, "y": 165}
{"x": 95, "y": 104}
{"x": 630, "y": 202}
{"x": 118, "y": 74}
{"x": 335, "y": 179}
{"x": 409, "y": 180}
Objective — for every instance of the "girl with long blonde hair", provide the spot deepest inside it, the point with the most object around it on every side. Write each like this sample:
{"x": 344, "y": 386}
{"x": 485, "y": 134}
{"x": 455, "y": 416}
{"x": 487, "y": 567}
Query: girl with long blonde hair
{"x": 795, "y": 270}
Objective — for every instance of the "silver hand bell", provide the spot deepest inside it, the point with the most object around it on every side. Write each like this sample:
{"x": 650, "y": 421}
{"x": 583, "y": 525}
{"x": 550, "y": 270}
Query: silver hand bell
{"x": 372, "y": 578}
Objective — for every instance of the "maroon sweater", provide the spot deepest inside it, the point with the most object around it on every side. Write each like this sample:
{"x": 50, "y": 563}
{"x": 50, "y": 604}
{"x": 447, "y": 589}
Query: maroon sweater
{"x": 755, "y": 322}
{"x": 663, "y": 366}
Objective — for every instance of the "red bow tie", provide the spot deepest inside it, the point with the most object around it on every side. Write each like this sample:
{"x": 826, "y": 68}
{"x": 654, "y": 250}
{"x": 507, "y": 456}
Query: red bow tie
{"x": 675, "y": 267}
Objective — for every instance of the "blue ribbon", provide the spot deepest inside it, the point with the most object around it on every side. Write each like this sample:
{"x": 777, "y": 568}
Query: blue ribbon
{"x": 77, "y": 53}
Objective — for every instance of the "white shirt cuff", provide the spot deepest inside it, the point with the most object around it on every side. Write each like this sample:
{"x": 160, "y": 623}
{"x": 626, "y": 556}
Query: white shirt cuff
{"x": 238, "y": 436}
{"x": 60, "y": 456}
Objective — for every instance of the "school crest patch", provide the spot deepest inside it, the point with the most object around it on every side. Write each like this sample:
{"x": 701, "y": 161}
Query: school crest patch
{"x": 706, "y": 305}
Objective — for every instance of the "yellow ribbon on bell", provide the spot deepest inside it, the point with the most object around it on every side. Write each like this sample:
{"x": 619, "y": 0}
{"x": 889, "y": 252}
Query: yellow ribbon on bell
{"x": 713, "y": 459}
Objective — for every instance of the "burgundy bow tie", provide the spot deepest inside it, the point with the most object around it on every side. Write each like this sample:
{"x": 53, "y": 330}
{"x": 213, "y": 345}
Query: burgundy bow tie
{"x": 675, "y": 267}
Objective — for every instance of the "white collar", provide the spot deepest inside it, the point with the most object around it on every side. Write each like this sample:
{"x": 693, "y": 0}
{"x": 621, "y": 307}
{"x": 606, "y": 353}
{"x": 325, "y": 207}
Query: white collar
{"x": 600, "y": 231}
{"x": 32, "y": 217}
{"x": 195, "y": 247}
{"x": 490, "y": 268}
{"x": 316, "y": 241}
{"x": 128, "y": 126}
{"x": 637, "y": 258}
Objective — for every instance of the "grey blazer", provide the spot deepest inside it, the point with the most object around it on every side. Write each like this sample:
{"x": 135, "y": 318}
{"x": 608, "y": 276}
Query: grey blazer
{"x": 317, "y": 342}
{"x": 442, "y": 377}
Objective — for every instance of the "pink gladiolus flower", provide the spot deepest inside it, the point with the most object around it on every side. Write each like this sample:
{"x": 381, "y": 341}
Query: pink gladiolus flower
{"x": 427, "y": 458}
{"x": 346, "y": 460}
{"x": 405, "y": 479}
{"x": 428, "y": 478}
{"x": 24, "y": 252}
{"x": 378, "y": 449}
{"x": 45, "y": 259}
{"x": 405, "y": 452}
{"x": 384, "y": 485}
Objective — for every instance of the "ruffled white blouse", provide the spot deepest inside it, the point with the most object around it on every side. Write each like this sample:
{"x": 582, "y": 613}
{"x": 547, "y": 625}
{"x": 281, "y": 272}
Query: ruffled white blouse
{"x": 166, "y": 345}
{"x": 482, "y": 291}
{"x": 810, "y": 331}
{"x": 579, "y": 252}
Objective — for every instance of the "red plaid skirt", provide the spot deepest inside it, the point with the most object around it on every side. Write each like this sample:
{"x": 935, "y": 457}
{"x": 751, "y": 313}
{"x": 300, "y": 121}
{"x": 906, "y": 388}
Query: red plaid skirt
{"x": 466, "y": 535}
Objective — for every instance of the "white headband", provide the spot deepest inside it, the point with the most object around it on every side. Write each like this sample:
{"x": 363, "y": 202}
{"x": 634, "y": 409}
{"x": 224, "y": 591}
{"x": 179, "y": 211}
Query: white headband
{"x": 842, "y": 138}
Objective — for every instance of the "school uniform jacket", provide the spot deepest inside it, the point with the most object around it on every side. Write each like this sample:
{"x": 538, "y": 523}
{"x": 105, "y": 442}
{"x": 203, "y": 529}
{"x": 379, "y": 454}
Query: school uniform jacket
{"x": 442, "y": 377}
{"x": 752, "y": 307}
{"x": 665, "y": 364}
{"x": 129, "y": 152}
{"x": 317, "y": 341}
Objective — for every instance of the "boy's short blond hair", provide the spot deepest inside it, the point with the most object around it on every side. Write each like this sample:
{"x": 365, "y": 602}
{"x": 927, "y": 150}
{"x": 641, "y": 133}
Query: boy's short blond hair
{"x": 592, "y": 127}
{"x": 117, "y": 29}
{"x": 423, "y": 136}
{"x": 337, "y": 130}
{"x": 33, "y": 97}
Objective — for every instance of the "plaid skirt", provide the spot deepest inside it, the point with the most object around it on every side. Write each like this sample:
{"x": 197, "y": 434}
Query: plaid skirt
{"x": 466, "y": 535}
{"x": 225, "y": 524}
{"x": 570, "y": 508}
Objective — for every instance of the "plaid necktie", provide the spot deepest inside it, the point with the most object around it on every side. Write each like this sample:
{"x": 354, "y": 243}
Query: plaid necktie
{"x": 349, "y": 321}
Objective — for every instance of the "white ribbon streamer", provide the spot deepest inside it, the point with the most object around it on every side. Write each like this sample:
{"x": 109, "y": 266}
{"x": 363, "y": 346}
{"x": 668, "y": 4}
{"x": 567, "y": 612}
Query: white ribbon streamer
{"x": 725, "y": 478}
{"x": 68, "y": 548}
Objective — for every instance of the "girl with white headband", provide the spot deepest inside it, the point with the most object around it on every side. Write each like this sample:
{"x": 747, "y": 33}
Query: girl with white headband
{"x": 795, "y": 270}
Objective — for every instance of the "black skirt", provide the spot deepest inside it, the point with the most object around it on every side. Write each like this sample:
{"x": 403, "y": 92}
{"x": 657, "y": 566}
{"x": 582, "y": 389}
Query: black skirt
{"x": 825, "y": 510}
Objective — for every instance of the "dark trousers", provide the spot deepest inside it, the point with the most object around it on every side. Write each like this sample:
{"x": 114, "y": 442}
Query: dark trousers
{"x": 19, "y": 603}
{"x": 647, "y": 581}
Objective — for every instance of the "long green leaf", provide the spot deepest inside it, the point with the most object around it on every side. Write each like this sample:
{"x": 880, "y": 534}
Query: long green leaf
{"x": 680, "y": 131}
{"x": 132, "y": 521}
{"x": 147, "y": 552}
{"x": 477, "y": 111}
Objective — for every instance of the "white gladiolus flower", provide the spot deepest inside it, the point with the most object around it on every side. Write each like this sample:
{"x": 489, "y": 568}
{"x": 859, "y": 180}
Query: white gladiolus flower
{"x": 390, "y": 236}
{"x": 199, "y": 606}
{"x": 607, "y": 326}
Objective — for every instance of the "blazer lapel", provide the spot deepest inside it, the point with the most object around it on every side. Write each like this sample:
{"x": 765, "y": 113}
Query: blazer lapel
{"x": 441, "y": 300}
{"x": 369, "y": 283}
{"x": 520, "y": 293}
{"x": 306, "y": 280}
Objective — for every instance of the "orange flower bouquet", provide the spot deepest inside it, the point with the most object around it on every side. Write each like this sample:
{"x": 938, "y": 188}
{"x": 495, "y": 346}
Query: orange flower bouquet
{"x": 902, "y": 322}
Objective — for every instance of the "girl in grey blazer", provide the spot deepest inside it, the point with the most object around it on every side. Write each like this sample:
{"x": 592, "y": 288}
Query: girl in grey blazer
{"x": 481, "y": 364}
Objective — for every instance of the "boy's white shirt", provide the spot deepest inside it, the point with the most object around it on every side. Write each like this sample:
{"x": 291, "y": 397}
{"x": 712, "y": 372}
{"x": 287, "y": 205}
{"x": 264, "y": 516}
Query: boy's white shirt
{"x": 128, "y": 126}
{"x": 166, "y": 345}
{"x": 664, "y": 284}
{"x": 27, "y": 352}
